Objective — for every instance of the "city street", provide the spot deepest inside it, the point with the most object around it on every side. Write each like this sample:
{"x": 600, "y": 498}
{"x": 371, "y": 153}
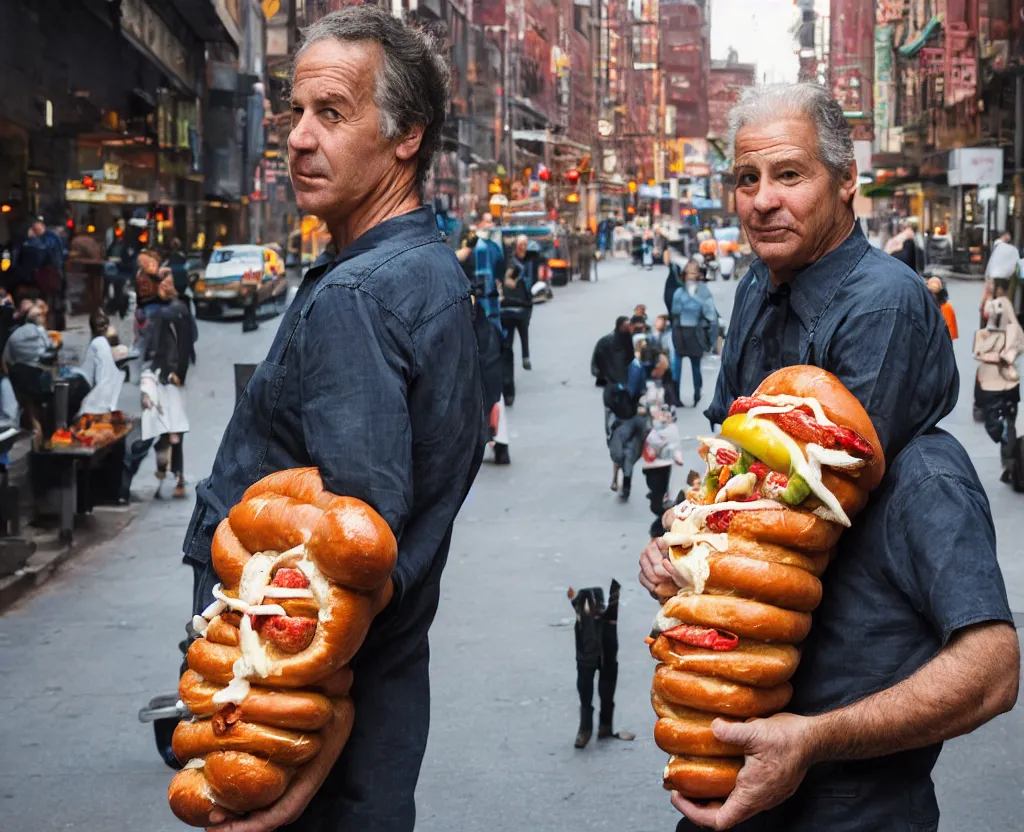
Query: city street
{"x": 81, "y": 657}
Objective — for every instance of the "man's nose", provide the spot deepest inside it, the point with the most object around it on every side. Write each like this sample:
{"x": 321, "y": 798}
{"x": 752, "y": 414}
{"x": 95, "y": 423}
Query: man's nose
{"x": 302, "y": 139}
{"x": 767, "y": 197}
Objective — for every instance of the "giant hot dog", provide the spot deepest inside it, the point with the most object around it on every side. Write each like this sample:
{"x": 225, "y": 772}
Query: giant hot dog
{"x": 303, "y": 572}
{"x": 793, "y": 465}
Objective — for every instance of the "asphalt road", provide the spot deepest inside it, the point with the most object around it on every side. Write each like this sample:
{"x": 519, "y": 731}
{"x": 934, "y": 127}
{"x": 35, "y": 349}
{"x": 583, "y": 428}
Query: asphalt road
{"x": 81, "y": 656}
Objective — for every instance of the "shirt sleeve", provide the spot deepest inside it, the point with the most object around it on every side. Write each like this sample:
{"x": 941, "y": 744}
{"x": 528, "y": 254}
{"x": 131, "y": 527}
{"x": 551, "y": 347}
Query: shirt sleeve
{"x": 90, "y": 366}
{"x": 878, "y": 356}
{"x": 354, "y": 364}
{"x": 942, "y": 548}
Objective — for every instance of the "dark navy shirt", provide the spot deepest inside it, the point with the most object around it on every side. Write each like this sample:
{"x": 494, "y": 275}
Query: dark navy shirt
{"x": 860, "y": 314}
{"x": 918, "y": 565}
{"x": 373, "y": 377}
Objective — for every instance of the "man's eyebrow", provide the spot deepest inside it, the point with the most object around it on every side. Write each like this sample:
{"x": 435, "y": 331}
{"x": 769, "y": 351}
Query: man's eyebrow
{"x": 328, "y": 97}
{"x": 791, "y": 157}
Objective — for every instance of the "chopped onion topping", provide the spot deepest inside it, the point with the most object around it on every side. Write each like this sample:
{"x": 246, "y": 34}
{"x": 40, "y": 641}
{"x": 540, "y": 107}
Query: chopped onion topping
{"x": 215, "y": 609}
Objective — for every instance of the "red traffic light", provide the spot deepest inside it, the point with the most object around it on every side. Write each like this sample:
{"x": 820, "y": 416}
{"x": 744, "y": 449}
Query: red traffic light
{"x": 544, "y": 174}
{"x": 573, "y": 176}
{"x": 88, "y": 183}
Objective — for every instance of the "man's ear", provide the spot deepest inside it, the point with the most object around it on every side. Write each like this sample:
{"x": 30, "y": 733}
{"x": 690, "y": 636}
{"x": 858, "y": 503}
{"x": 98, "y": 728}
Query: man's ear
{"x": 848, "y": 184}
{"x": 410, "y": 144}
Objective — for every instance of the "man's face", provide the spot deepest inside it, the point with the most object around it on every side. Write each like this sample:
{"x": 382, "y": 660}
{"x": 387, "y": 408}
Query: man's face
{"x": 336, "y": 155}
{"x": 791, "y": 208}
{"x": 37, "y": 229}
{"x": 521, "y": 249}
{"x": 148, "y": 264}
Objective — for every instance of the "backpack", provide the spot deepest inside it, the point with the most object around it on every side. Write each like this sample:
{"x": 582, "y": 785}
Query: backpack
{"x": 618, "y": 401}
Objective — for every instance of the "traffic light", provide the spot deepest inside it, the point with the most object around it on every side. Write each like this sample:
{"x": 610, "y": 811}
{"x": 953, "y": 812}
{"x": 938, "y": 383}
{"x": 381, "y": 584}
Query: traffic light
{"x": 632, "y": 186}
{"x": 88, "y": 183}
{"x": 573, "y": 198}
{"x": 573, "y": 176}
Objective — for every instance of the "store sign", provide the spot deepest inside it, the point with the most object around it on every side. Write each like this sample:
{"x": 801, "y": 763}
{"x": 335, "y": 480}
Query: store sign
{"x": 149, "y": 32}
{"x": 976, "y": 166}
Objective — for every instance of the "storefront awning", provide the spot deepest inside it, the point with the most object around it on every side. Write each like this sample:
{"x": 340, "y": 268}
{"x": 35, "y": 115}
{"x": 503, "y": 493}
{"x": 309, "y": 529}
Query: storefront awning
{"x": 910, "y": 49}
{"x": 545, "y": 137}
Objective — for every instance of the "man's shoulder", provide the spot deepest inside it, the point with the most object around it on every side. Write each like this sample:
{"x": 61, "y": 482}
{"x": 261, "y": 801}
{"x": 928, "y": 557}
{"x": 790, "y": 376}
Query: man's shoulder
{"x": 880, "y": 279}
{"x": 414, "y": 281}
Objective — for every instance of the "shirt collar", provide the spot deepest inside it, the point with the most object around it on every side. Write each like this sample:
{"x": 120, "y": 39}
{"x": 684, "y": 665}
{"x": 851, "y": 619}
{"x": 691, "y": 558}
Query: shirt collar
{"x": 408, "y": 229}
{"x": 814, "y": 287}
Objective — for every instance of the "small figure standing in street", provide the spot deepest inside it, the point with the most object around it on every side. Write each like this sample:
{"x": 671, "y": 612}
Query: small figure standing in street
{"x": 169, "y": 350}
{"x": 597, "y": 651}
{"x": 938, "y": 290}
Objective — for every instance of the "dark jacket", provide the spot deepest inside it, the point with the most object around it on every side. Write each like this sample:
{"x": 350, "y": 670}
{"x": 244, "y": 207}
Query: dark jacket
{"x": 612, "y": 355}
{"x": 170, "y": 343}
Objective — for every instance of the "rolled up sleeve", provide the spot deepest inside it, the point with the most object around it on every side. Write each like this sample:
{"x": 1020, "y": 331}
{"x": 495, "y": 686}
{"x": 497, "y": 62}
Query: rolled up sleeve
{"x": 355, "y": 365}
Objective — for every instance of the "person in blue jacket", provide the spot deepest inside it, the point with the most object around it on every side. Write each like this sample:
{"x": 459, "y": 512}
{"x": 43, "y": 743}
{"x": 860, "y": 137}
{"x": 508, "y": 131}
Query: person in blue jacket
{"x": 694, "y": 325}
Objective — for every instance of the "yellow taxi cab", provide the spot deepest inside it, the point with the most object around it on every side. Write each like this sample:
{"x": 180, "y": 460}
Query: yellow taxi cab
{"x": 233, "y": 272}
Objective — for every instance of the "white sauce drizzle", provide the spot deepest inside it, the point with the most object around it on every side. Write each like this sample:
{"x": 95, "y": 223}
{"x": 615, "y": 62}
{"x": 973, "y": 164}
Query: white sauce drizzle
{"x": 793, "y": 402}
{"x": 318, "y": 584}
{"x": 215, "y": 609}
{"x": 738, "y": 487}
{"x": 195, "y": 762}
{"x": 287, "y": 592}
{"x": 266, "y": 609}
{"x": 233, "y": 603}
{"x": 692, "y": 570}
{"x": 664, "y": 622}
{"x": 200, "y": 624}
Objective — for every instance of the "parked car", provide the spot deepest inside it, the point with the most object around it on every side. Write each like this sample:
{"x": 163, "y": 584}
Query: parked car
{"x": 231, "y": 270}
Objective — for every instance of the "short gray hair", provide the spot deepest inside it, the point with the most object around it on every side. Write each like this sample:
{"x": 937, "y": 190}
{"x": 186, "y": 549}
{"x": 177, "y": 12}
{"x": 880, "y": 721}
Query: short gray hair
{"x": 413, "y": 82}
{"x": 761, "y": 104}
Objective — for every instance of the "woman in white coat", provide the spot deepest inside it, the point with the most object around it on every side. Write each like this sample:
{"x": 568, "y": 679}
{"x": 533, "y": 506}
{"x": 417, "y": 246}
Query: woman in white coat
{"x": 169, "y": 350}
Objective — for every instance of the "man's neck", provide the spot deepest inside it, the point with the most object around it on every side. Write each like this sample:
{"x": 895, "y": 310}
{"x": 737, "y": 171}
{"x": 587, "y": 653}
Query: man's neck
{"x": 393, "y": 203}
{"x": 828, "y": 246}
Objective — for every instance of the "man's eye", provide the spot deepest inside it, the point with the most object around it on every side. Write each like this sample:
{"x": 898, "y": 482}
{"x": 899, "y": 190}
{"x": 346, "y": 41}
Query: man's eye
{"x": 331, "y": 114}
{"x": 747, "y": 179}
{"x": 789, "y": 176}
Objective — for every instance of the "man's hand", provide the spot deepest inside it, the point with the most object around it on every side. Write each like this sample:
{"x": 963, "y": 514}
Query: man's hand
{"x": 778, "y": 751}
{"x": 656, "y": 570}
{"x": 296, "y": 798}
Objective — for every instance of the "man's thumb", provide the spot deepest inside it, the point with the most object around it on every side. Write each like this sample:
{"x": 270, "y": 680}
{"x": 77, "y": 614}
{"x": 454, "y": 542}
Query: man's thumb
{"x": 735, "y": 733}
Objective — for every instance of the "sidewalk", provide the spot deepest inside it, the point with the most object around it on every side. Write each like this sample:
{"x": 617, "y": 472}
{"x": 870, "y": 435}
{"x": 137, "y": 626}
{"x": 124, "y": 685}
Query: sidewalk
{"x": 105, "y": 523}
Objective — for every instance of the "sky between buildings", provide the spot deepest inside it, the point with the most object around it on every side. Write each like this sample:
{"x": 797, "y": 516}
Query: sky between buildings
{"x": 759, "y": 30}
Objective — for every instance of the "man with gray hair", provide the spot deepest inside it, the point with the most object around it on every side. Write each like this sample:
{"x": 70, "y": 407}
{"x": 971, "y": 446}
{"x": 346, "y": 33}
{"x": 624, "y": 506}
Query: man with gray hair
{"x": 913, "y": 642}
{"x": 373, "y": 377}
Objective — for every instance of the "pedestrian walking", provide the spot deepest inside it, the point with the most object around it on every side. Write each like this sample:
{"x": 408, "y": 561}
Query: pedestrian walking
{"x": 609, "y": 363}
{"x": 373, "y": 377}
{"x": 516, "y": 311}
{"x": 903, "y": 247}
{"x": 694, "y": 326}
{"x": 169, "y": 351}
{"x": 147, "y": 291}
{"x": 997, "y": 348}
{"x": 661, "y": 337}
{"x": 938, "y": 290}
{"x": 597, "y": 653}
{"x": 626, "y": 424}
{"x": 177, "y": 262}
{"x": 120, "y": 269}
{"x": 933, "y": 582}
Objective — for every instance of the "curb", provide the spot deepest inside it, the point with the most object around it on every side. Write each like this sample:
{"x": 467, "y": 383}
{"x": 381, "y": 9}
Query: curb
{"x": 36, "y": 572}
{"x": 45, "y": 562}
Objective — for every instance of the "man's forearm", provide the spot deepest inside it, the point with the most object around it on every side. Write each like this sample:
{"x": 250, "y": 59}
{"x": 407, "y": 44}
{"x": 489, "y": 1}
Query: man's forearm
{"x": 971, "y": 680}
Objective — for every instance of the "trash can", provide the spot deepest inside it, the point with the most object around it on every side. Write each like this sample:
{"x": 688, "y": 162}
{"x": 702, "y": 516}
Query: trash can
{"x": 243, "y": 372}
